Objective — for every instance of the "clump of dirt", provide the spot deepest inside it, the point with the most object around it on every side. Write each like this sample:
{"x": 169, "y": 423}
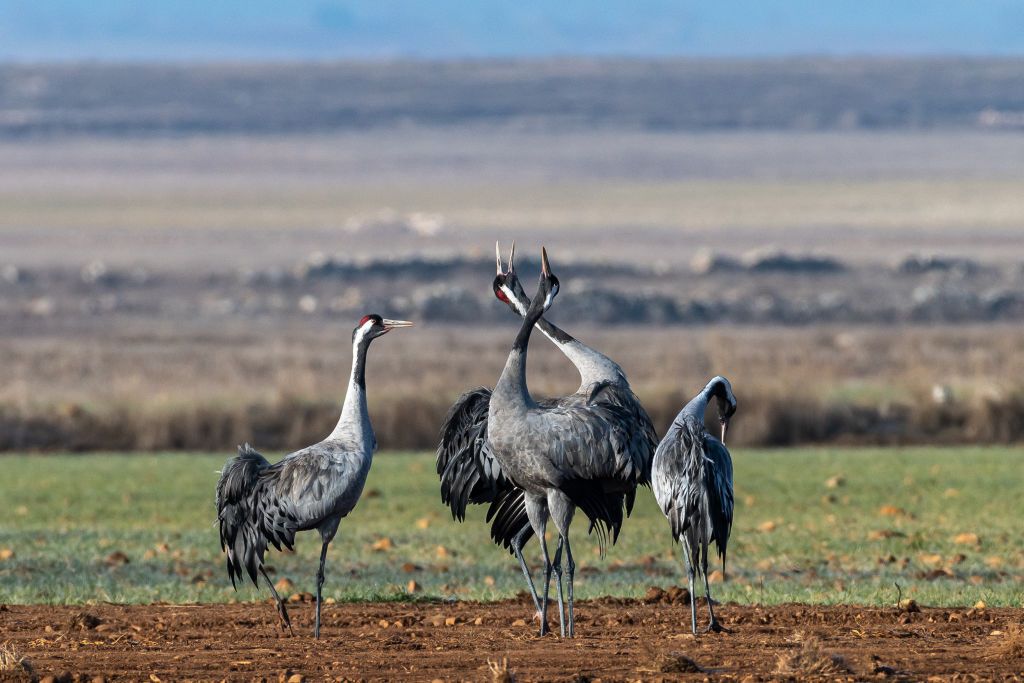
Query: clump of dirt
{"x": 674, "y": 595}
{"x": 811, "y": 660}
{"x": 117, "y": 559}
{"x": 676, "y": 663}
{"x": 83, "y": 621}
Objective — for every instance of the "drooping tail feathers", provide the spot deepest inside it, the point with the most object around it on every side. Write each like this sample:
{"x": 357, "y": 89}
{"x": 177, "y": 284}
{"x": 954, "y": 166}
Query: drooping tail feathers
{"x": 249, "y": 514}
{"x": 604, "y": 509}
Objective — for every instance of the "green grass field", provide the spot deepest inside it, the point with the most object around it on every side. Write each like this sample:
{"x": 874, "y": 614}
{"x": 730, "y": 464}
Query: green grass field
{"x": 886, "y": 516}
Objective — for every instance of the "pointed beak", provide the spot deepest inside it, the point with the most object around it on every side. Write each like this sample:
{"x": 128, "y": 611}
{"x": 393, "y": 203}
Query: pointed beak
{"x": 545, "y": 269}
{"x": 512, "y": 257}
{"x": 725, "y": 430}
{"x": 393, "y": 324}
{"x": 497, "y": 256}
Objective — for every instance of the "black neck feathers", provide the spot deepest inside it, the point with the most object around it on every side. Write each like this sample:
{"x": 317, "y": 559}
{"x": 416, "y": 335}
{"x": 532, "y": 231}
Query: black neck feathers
{"x": 359, "y": 362}
{"x": 533, "y": 314}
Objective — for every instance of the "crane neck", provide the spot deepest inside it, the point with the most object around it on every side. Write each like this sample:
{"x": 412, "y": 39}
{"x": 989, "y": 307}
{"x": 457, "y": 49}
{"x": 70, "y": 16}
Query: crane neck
{"x": 355, "y": 420}
{"x": 512, "y": 383}
{"x": 698, "y": 405}
{"x": 592, "y": 365}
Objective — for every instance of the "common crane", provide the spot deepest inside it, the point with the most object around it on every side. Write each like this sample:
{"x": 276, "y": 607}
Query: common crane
{"x": 692, "y": 481}
{"x": 259, "y": 504}
{"x": 468, "y": 471}
{"x": 561, "y": 456}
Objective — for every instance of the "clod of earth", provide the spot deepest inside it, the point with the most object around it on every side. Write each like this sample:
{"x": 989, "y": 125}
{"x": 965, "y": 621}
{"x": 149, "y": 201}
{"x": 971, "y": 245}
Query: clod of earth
{"x": 881, "y": 534}
{"x": 967, "y": 538}
{"x": 892, "y": 511}
{"x": 117, "y": 559}
{"x": 383, "y": 544}
{"x": 676, "y": 663}
{"x": 909, "y": 605}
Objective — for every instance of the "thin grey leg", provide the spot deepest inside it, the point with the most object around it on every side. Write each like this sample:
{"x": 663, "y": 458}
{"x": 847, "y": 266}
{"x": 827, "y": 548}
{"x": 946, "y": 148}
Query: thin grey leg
{"x": 517, "y": 547}
{"x": 558, "y": 578}
{"x": 547, "y": 584}
{"x": 319, "y": 588}
{"x": 713, "y": 625}
{"x": 282, "y": 613}
{"x": 693, "y": 598}
{"x": 572, "y": 571}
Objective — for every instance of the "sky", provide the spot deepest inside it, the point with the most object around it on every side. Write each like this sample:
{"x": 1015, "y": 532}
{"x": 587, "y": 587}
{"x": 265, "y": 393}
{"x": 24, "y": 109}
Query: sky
{"x": 192, "y": 30}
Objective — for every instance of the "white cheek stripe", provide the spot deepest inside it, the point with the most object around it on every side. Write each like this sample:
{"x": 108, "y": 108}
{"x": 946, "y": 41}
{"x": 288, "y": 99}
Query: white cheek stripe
{"x": 513, "y": 300}
{"x": 361, "y": 332}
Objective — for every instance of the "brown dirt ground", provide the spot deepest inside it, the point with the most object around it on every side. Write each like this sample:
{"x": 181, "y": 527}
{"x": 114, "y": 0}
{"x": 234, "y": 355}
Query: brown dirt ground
{"x": 617, "y": 640}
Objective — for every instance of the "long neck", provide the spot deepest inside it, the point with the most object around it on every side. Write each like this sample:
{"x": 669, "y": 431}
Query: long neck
{"x": 512, "y": 383}
{"x": 355, "y": 418}
{"x": 592, "y": 365}
{"x": 698, "y": 405}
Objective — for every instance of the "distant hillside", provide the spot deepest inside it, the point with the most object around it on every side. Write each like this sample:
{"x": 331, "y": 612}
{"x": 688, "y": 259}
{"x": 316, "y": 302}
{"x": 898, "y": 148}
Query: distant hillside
{"x": 807, "y": 94}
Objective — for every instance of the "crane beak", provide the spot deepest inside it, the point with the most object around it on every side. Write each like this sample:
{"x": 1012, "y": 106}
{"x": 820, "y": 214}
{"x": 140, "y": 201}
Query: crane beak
{"x": 497, "y": 256}
{"x": 512, "y": 257}
{"x": 393, "y": 324}
{"x": 725, "y": 430}
{"x": 545, "y": 268}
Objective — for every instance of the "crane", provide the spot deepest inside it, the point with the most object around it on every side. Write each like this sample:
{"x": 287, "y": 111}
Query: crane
{"x": 563, "y": 457}
{"x": 468, "y": 471}
{"x": 692, "y": 482}
{"x": 260, "y": 504}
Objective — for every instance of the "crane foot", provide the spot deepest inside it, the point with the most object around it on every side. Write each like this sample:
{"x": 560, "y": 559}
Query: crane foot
{"x": 716, "y": 627}
{"x": 286, "y": 623}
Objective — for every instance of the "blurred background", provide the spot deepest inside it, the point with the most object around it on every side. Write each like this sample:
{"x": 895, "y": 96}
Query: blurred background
{"x": 823, "y": 201}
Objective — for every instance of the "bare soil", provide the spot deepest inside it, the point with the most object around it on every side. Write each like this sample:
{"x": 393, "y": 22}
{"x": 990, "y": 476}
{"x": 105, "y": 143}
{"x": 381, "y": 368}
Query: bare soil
{"x": 616, "y": 640}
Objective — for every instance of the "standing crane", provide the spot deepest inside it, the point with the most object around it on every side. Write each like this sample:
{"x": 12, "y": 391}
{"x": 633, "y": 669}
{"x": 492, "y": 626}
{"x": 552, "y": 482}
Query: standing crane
{"x": 692, "y": 481}
{"x": 470, "y": 474}
{"x": 259, "y": 504}
{"x": 563, "y": 457}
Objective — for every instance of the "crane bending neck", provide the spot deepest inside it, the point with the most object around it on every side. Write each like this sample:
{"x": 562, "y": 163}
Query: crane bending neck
{"x": 698, "y": 405}
{"x": 592, "y": 365}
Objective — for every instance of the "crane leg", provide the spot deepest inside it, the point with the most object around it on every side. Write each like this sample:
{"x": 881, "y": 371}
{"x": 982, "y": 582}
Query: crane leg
{"x": 319, "y": 588}
{"x": 571, "y": 566}
{"x": 713, "y": 625}
{"x": 558, "y": 579}
{"x": 547, "y": 584}
{"x": 282, "y": 613}
{"x": 517, "y": 547}
{"x": 689, "y": 576}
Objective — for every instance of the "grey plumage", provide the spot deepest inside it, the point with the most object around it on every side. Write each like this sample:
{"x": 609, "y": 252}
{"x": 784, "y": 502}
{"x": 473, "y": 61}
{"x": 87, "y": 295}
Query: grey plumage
{"x": 468, "y": 471}
{"x": 693, "y": 484}
{"x": 467, "y": 468}
{"x": 261, "y": 504}
{"x": 578, "y": 455}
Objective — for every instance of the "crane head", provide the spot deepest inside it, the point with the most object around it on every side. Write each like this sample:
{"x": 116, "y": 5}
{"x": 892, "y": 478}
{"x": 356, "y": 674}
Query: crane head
{"x": 372, "y": 326}
{"x": 506, "y": 285}
{"x": 548, "y": 287}
{"x": 722, "y": 391}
